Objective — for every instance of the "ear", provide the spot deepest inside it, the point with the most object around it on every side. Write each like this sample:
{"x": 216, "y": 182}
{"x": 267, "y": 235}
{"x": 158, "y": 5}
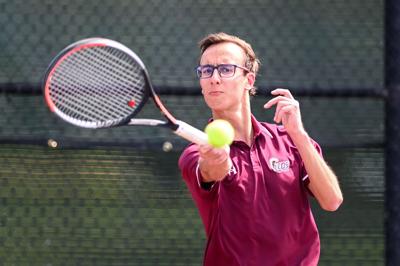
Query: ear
{"x": 251, "y": 79}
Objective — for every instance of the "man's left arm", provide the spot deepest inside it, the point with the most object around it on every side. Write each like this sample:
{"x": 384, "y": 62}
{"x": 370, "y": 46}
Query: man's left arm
{"x": 323, "y": 181}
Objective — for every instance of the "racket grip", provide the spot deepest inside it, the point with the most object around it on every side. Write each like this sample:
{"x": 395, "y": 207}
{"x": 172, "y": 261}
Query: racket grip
{"x": 190, "y": 133}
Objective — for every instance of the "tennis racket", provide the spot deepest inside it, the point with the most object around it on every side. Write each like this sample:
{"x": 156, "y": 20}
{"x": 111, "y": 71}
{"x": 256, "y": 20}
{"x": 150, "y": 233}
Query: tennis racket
{"x": 100, "y": 83}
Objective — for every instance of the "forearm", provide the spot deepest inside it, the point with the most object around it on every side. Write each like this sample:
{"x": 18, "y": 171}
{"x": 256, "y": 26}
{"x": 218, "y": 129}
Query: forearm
{"x": 323, "y": 182}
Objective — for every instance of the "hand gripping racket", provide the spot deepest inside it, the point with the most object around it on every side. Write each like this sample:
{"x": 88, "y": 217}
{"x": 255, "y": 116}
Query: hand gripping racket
{"x": 100, "y": 83}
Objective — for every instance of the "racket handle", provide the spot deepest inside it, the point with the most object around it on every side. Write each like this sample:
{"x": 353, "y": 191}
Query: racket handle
{"x": 190, "y": 133}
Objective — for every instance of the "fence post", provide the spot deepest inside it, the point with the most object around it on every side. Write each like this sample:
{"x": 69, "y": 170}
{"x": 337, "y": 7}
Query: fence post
{"x": 392, "y": 125}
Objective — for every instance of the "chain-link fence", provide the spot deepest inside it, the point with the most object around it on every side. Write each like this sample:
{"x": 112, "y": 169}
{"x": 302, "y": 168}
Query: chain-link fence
{"x": 113, "y": 196}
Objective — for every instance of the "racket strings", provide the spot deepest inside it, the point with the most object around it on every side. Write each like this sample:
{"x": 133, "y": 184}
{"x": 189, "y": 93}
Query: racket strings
{"x": 119, "y": 69}
{"x": 125, "y": 70}
{"x": 104, "y": 74}
{"x": 96, "y": 84}
{"x": 80, "y": 107}
{"x": 72, "y": 85}
{"x": 74, "y": 88}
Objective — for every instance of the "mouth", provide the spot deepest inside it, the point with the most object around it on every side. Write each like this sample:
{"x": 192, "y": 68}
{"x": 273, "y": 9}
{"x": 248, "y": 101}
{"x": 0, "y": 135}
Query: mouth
{"x": 215, "y": 93}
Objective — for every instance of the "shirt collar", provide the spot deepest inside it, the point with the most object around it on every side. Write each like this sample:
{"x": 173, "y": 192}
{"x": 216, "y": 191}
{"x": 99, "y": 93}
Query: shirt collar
{"x": 258, "y": 128}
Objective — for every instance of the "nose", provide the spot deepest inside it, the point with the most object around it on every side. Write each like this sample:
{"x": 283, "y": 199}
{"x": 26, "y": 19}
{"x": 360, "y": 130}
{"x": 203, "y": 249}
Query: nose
{"x": 215, "y": 76}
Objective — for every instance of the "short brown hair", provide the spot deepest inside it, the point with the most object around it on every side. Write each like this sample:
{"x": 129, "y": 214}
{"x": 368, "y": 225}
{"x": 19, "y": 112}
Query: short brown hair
{"x": 252, "y": 62}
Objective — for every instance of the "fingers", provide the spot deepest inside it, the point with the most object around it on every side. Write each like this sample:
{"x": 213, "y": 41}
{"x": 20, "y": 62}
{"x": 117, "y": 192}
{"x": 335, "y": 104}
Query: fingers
{"x": 284, "y": 102}
{"x": 204, "y": 148}
{"x": 213, "y": 155}
{"x": 285, "y": 110}
{"x": 281, "y": 108}
{"x": 274, "y": 101}
{"x": 284, "y": 92}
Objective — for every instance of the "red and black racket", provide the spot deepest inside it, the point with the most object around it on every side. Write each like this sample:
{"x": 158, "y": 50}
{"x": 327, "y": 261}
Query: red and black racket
{"x": 100, "y": 83}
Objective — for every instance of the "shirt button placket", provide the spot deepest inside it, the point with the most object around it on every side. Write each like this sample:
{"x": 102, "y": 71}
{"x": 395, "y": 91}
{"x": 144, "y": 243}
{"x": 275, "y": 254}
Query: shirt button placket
{"x": 254, "y": 157}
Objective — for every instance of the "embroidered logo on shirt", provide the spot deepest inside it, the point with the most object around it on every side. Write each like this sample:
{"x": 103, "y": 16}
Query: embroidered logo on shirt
{"x": 279, "y": 166}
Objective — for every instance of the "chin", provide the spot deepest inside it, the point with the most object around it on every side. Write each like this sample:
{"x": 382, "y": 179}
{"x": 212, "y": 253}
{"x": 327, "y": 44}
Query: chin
{"x": 215, "y": 106}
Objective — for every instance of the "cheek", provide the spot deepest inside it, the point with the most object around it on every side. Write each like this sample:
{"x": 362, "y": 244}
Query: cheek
{"x": 203, "y": 84}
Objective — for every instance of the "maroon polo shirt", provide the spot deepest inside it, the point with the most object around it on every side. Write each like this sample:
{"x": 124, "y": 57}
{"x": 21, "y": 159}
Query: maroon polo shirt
{"x": 259, "y": 214}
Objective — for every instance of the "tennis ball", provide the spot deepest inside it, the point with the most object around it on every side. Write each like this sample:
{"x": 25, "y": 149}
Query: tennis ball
{"x": 167, "y": 146}
{"x": 220, "y": 133}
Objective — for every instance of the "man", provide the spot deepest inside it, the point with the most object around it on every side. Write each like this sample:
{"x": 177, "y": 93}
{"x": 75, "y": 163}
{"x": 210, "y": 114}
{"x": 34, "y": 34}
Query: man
{"x": 253, "y": 196}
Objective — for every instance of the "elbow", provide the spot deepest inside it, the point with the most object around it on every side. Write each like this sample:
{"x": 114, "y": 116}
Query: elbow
{"x": 333, "y": 204}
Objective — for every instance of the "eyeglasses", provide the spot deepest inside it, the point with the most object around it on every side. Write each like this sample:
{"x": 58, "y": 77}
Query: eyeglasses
{"x": 224, "y": 70}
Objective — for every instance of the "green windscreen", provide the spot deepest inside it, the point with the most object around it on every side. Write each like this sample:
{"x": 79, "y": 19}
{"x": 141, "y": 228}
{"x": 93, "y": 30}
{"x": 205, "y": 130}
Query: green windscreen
{"x": 72, "y": 196}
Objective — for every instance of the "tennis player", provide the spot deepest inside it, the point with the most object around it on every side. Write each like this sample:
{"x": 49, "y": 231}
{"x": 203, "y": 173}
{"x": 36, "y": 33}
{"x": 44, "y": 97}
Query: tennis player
{"x": 253, "y": 196}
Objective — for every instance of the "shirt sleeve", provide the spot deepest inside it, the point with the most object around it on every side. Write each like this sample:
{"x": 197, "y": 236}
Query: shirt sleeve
{"x": 204, "y": 198}
{"x": 189, "y": 167}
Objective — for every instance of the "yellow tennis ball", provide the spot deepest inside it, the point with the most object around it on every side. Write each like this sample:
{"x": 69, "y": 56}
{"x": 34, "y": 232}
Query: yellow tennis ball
{"x": 220, "y": 133}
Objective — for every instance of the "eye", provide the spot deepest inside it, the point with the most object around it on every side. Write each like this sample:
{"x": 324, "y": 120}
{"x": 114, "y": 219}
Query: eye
{"x": 225, "y": 69}
{"x": 207, "y": 70}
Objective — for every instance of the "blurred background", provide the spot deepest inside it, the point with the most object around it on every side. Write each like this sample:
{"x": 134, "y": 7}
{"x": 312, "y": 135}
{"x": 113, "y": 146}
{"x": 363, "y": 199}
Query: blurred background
{"x": 115, "y": 196}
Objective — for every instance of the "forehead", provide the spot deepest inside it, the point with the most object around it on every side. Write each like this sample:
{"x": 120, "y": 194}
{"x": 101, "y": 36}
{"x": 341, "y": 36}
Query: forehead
{"x": 223, "y": 53}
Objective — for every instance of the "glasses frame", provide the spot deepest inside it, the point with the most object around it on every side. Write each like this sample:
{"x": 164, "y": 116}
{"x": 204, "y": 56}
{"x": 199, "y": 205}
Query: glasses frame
{"x": 215, "y": 67}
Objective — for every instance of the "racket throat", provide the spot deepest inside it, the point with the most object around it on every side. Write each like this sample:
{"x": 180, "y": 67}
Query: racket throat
{"x": 190, "y": 133}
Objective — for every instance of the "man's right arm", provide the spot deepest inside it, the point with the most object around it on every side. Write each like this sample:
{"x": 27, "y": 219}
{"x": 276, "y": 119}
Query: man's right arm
{"x": 214, "y": 163}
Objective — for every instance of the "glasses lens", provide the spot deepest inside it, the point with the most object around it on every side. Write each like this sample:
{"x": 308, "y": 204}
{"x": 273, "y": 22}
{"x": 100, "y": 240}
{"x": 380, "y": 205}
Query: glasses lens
{"x": 198, "y": 71}
{"x": 205, "y": 71}
{"x": 226, "y": 71}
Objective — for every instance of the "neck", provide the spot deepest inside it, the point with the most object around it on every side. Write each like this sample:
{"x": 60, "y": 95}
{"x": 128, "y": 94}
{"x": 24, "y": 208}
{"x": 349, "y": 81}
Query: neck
{"x": 241, "y": 122}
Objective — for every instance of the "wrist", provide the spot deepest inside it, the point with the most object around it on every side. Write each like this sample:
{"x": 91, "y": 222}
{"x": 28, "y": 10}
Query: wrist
{"x": 300, "y": 137}
{"x": 214, "y": 172}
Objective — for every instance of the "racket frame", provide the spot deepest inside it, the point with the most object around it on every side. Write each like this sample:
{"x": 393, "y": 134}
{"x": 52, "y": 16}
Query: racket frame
{"x": 84, "y": 44}
{"x": 178, "y": 127}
